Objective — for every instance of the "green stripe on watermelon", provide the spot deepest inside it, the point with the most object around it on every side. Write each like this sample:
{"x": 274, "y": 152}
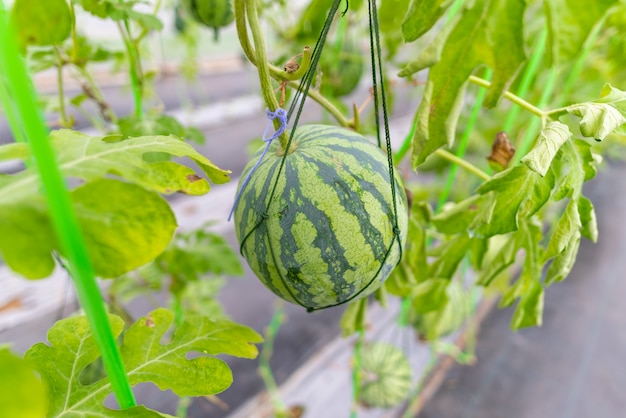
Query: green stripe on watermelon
{"x": 329, "y": 232}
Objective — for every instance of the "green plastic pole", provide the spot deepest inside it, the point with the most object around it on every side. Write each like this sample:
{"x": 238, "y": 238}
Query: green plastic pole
{"x": 527, "y": 78}
{"x": 61, "y": 211}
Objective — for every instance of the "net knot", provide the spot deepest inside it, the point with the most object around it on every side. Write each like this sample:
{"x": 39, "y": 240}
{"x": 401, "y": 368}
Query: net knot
{"x": 279, "y": 114}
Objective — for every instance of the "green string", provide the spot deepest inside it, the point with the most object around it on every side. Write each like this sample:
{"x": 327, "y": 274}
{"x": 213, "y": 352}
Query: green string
{"x": 61, "y": 211}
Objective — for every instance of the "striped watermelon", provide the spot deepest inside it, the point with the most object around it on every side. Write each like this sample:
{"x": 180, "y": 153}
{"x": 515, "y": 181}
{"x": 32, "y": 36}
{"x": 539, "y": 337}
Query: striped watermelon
{"x": 386, "y": 377}
{"x": 328, "y": 235}
{"x": 211, "y": 13}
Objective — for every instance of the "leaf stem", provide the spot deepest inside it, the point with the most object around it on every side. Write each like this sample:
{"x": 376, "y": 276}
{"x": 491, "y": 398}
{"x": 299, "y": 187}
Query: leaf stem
{"x": 510, "y": 96}
{"x": 265, "y": 369}
{"x": 74, "y": 34}
{"x": 356, "y": 373}
{"x": 93, "y": 91}
{"x": 326, "y": 104}
{"x": 463, "y": 163}
{"x": 469, "y": 127}
{"x": 135, "y": 80}
{"x": 61, "y": 90}
{"x": 145, "y": 31}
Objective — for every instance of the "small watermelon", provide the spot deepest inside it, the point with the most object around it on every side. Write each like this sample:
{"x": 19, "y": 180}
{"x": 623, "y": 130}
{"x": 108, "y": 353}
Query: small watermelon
{"x": 341, "y": 72}
{"x": 214, "y": 14}
{"x": 327, "y": 235}
{"x": 386, "y": 379}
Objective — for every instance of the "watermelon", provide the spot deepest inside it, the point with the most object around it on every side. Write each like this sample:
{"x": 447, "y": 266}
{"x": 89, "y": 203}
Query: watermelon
{"x": 341, "y": 72}
{"x": 214, "y": 14}
{"x": 386, "y": 379}
{"x": 325, "y": 235}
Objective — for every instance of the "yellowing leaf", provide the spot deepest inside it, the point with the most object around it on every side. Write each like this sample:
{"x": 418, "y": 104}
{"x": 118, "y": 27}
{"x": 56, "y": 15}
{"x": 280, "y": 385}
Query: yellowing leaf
{"x": 22, "y": 393}
{"x": 146, "y": 359}
{"x": 124, "y": 227}
{"x": 41, "y": 22}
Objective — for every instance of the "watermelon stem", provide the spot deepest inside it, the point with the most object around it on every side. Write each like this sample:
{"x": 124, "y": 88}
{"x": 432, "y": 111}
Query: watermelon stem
{"x": 280, "y": 74}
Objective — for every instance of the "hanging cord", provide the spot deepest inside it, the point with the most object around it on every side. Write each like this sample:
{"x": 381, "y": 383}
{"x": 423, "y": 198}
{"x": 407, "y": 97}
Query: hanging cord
{"x": 282, "y": 117}
{"x": 377, "y": 67}
{"x": 302, "y": 91}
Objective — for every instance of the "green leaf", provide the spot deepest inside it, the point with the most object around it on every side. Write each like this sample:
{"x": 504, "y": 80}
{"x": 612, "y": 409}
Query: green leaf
{"x": 194, "y": 134}
{"x": 602, "y": 116}
{"x": 448, "y": 318}
{"x": 529, "y": 310}
{"x": 504, "y": 258}
{"x": 430, "y": 55}
{"x": 145, "y": 20}
{"x": 587, "y": 214}
{"x": 90, "y": 158}
{"x": 22, "y": 393}
{"x": 353, "y": 318}
{"x": 569, "y": 24}
{"x": 567, "y": 229}
{"x": 146, "y": 359}
{"x": 550, "y": 140}
{"x": 390, "y": 15}
{"x": 198, "y": 253}
{"x": 14, "y": 151}
{"x": 422, "y": 16}
{"x": 41, "y": 22}
{"x": 478, "y": 250}
{"x": 201, "y": 298}
{"x": 413, "y": 267}
{"x": 124, "y": 227}
{"x": 489, "y": 33}
{"x": 449, "y": 254}
{"x": 562, "y": 264}
{"x": 573, "y": 166}
{"x": 132, "y": 126}
{"x": 518, "y": 193}
{"x": 429, "y": 295}
{"x": 527, "y": 287}
{"x": 98, "y": 8}
{"x": 457, "y": 218}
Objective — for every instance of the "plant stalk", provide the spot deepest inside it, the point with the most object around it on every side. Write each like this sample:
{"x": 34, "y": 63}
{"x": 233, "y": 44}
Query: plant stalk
{"x": 511, "y": 97}
{"x": 61, "y": 90}
{"x": 265, "y": 369}
{"x": 463, "y": 163}
{"x": 356, "y": 373}
{"x": 133, "y": 59}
